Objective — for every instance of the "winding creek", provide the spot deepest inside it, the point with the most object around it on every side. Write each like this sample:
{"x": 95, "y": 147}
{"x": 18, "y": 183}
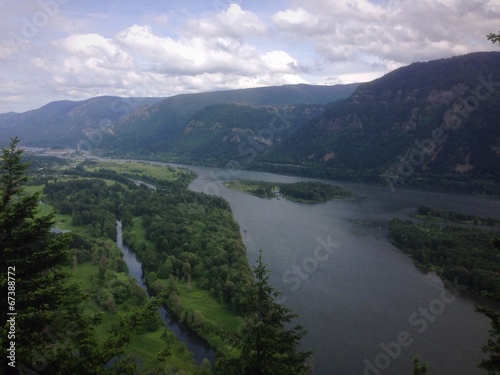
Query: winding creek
{"x": 368, "y": 309}
{"x": 194, "y": 343}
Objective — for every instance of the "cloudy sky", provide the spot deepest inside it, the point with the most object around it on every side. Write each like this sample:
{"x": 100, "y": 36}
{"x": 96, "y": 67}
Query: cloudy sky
{"x": 77, "y": 49}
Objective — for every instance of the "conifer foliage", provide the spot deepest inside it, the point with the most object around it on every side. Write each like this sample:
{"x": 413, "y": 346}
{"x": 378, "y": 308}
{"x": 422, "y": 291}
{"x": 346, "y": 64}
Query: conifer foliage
{"x": 39, "y": 292}
{"x": 267, "y": 345}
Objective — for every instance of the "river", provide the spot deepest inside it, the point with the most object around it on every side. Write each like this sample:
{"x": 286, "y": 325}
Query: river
{"x": 194, "y": 343}
{"x": 368, "y": 309}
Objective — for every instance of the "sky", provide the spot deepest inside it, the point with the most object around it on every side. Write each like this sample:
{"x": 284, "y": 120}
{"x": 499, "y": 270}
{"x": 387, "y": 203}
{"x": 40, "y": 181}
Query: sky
{"x": 77, "y": 49}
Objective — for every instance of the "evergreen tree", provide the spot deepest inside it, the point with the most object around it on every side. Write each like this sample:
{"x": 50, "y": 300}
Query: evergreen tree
{"x": 38, "y": 289}
{"x": 267, "y": 346}
{"x": 419, "y": 369}
{"x": 494, "y": 37}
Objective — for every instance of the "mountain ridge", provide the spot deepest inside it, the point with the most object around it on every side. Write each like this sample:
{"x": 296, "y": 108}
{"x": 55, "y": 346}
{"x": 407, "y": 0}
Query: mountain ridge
{"x": 155, "y": 130}
{"x": 116, "y": 120}
{"x": 376, "y": 131}
{"x": 429, "y": 124}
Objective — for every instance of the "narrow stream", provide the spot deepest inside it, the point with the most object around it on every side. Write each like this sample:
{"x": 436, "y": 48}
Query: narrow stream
{"x": 195, "y": 344}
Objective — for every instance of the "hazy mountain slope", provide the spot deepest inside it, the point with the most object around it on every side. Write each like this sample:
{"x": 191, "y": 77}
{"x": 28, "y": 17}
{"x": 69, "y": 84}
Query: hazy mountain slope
{"x": 153, "y": 131}
{"x": 141, "y": 126}
{"x": 439, "y": 118}
{"x": 66, "y": 123}
{"x": 223, "y": 133}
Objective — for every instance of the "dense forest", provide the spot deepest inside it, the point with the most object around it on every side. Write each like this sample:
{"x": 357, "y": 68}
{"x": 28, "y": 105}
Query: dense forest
{"x": 465, "y": 255}
{"x": 180, "y": 236}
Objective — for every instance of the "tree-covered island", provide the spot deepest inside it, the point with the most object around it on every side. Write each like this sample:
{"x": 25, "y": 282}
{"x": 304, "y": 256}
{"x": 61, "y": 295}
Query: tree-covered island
{"x": 307, "y": 192}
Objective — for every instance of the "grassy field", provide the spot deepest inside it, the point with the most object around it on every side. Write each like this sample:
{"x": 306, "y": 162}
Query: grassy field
{"x": 159, "y": 172}
{"x": 242, "y": 186}
{"x": 138, "y": 230}
{"x": 61, "y": 221}
{"x": 146, "y": 346}
{"x": 214, "y": 313}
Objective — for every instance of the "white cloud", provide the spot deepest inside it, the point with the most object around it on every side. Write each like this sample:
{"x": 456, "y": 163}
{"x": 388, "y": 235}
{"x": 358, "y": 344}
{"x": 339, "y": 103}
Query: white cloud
{"x": 402, "y": 31}
{"x": 186, "y": 55}
{"x": 96, "y": 50}
{"x": 279, "y": 61}
{"x": 218, "y": 49}
{"x": 141, "y": 61}
{"x": 160, "y": 50}
{"x": 297, "y": 20}
{"x": 233, "y": 22}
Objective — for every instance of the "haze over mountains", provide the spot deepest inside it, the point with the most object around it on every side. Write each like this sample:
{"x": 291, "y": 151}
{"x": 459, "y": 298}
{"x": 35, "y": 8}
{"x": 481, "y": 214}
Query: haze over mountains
{"x": 427, "y": 124}
{"x": 135, "y": 120}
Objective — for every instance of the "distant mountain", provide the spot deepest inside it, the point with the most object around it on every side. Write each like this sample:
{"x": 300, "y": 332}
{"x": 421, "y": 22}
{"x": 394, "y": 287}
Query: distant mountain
{"x": 431, "y": 123}
{"x": 67, "y": 123}
{"x": 154, "y": 131}
{"x": 142, "y": 126}
{"x": 223, "y": 133}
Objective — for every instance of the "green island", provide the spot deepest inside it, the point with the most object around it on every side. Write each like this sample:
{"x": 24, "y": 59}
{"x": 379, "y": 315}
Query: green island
{"x": 306, "y": 192}
{"x": 465, "y": 255}
{"x": 100, "y": 320}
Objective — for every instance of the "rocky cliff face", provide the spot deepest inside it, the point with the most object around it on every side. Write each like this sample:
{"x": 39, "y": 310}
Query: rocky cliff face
{"x": 436, "y": 118}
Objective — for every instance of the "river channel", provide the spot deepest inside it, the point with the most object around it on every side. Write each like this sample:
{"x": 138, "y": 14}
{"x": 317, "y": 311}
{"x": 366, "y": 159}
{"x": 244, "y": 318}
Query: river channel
{"x": 194, "y": 343}
{"x": 368, "y": 309}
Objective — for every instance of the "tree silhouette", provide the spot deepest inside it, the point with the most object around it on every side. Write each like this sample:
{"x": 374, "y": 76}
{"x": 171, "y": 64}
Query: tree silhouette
{"x": 267, "y": 346}
{"x": 494, "y": 37}
{"x": 39, "y": 292}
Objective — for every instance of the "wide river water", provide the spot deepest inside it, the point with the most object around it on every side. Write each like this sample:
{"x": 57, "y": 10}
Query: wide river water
{"x": 367, "y": 308}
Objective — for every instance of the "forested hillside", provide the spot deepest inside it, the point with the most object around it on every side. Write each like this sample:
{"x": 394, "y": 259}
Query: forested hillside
{"x": 142, "y": 125}
{"x": 223, "y": 133}
{"x": 156, "y": 131}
